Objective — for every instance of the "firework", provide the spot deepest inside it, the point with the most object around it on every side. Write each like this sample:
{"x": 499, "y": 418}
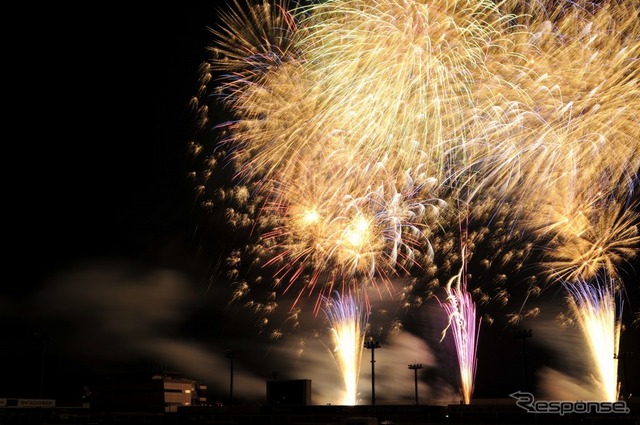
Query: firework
{"x": 337, "y": 237}
{"x": 397, "y": 76}
{"x": 562, "y": 138}
{"x": 299, "y": 96}
{"x": 583, "y": 242}
{"x": 461, "y": 311}
{"x": 348, "y": 318}
{"x": 561, "y": 107}
{"x": 355, "y": 125}
{"x": 598, "y": 311}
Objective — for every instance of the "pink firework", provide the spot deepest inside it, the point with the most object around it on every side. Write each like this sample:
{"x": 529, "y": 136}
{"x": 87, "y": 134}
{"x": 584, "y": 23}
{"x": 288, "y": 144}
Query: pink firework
{"x": 461, "y": 310}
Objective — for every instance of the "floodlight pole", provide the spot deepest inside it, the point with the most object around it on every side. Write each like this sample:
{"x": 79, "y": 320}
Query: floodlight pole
{"x": 623, "y": 356}
{"x": 230, "y": 354}
{"x": 415, "y": 368}
{"x": 372, "y": 345}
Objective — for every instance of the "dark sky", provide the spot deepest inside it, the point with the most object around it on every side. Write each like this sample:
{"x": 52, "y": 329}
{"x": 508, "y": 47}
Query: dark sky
{"x": 96, "y": 172}
{"x": 103, "y": 256}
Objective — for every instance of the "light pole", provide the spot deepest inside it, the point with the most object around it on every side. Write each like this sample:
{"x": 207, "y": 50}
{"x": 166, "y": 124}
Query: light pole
{"x": 415, "y": 368}
{"x": 372, "y": 345}
{"x": 623, "y": 356}
{"x": 523, "y": 334}
{"x": 230, "y": 354}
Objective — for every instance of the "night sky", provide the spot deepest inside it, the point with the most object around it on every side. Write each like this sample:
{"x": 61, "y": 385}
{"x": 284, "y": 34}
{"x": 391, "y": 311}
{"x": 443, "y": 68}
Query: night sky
{"x": 98, "y": 183}
{"x": 108, "y": 268}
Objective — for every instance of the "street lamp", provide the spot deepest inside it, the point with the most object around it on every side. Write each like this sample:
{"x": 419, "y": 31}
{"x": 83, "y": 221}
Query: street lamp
{"x": 623, "y": 356}
{"x": 372, "y": 345}
{"x": 523, "y": 334}
{"x": 230, "y": 354}
{"x": 415, "y": 368}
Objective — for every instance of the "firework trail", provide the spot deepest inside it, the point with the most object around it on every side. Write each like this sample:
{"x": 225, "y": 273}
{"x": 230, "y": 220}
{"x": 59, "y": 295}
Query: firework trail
{"x": 462, "y": 322}
{"x": 368, "y": 214}
{"x": 585, "y": 242}
{"x": 337, "y": 238}
{"x": 351, "y": 122}
{"x": 563, "y": 142}
{"x": 397, "y": 76}
{"x": 561, "y": 106}
{"x": 584, "y": 239}
{"x": 461, "y": 311}
{"x": 594, "y": 306}
{"x": 348, "y": 318}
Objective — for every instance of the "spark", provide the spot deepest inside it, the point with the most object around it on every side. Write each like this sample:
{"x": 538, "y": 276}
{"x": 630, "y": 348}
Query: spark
{"x": 354, "y": 124}
{"x": 602, "y": 239}
{"x": 561, "y": 107}
{"x": 594, "y": 308}
{"x": 461, "y": 311}
{"x": 328, "y": 232}
{"x": 348, "y": 318}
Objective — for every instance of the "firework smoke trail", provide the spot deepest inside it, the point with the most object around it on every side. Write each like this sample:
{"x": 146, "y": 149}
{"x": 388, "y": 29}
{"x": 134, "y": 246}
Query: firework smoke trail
{"x": 348, "y": 318}
{"x": 594, "y": 306}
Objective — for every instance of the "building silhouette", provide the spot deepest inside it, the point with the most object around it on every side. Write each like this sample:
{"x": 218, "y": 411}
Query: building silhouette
{"x": 145, "y": 393}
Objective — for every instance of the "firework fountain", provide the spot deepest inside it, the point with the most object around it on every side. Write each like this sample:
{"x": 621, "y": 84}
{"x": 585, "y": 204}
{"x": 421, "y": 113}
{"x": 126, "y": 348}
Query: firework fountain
{"x": 598, "y": 314}
{"x": 586, "y": 219}
{"x": 461, "y": 310}
{"x": 348, "y": 321}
